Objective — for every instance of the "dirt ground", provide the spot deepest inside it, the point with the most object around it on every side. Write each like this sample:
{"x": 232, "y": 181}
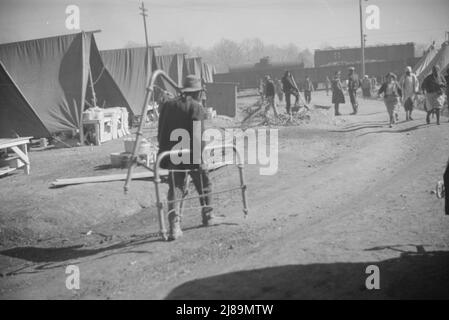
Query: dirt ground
{"x": 349, "y": 192}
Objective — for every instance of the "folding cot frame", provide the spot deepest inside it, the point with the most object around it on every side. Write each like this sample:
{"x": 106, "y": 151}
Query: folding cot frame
{"x": 156, "y": 168}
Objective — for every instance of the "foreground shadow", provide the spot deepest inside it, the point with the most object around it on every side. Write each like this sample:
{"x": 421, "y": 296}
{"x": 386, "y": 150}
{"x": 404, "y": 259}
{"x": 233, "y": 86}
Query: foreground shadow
{"x": 411, "y": 276}
{"x": 66, "y": 253}
{"x": 61, "y": 254}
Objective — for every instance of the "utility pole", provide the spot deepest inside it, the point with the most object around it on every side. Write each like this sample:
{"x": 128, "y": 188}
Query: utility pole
{"x": 362, "y": 39}
{"x": 145, "y": 15}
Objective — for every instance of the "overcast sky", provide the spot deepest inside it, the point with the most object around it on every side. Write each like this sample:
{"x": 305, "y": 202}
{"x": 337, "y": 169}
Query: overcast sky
{"x": 308, "y": 24}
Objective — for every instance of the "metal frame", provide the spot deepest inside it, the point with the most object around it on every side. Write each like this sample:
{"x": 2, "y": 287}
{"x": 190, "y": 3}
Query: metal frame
{"x": 139, "y": 133}
{"x": 157, "y": 181}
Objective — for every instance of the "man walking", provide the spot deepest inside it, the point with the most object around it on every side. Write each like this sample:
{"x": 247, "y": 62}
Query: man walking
{"x": 353, "y": 85}
{"x": 433, "y": 86}
{"x": 290, "y": 88}
{"x": 308, "y": 88}
{"x": 270, "y": 92}
{"x": 187, "y": 114}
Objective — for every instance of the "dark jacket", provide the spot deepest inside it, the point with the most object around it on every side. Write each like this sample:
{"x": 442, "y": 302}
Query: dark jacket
{"x": 180, "y": 113}
{"x": 353, "y": 82}
{"x": 288, "y": 85}
{"x": 270, "y": 89}
{"x": 432, "y": 84}
{"x": 337, "y": 91}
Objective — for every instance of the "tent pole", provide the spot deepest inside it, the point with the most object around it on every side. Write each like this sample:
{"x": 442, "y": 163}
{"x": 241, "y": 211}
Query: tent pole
{"x": 81, "y": 107}
{"x": 94, "y": 97}
{"x": 144, "y": 15}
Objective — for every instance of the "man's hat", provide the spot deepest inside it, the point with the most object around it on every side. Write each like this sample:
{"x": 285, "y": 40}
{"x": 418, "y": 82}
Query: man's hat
{"x": 191, "y": 84}
{"x": 408, "y": 68}
{"x": 351, "y": 68}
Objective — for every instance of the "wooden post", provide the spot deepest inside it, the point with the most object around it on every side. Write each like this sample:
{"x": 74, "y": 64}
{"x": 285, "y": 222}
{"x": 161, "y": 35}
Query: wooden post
{"x": 144, "y": 15}
{"x": 94, "y": 97}
{"x": 362, "y": 41}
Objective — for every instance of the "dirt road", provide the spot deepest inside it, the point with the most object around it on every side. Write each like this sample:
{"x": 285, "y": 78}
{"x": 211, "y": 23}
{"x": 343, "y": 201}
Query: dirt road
{"x": 349, "y": 193}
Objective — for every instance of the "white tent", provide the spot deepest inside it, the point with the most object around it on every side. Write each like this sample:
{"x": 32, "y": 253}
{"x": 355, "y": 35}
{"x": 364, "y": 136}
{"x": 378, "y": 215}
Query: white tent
{"x": 422, "y": 64}
{"x": 440, "y": 59}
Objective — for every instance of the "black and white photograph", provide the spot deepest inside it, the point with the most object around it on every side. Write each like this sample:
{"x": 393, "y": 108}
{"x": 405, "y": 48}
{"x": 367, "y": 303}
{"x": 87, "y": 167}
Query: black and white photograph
{"x": 224, "y": 154}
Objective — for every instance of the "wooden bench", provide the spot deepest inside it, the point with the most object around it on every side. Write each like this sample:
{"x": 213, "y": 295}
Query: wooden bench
{"x": 20, "y": 157}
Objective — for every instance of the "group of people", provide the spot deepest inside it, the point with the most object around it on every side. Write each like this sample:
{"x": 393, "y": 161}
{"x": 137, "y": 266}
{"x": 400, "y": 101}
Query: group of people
{"x": 182, "y": 111}
{"x": 338, "y": 97}
{"x": 285, "y": 87}
{"x": 406, "y": 89}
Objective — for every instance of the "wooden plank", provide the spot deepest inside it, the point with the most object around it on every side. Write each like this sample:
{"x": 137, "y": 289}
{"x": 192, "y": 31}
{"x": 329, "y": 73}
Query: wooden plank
{"x": 50, "y": 146}
{"x": 21, "y": 154}
{"x": 118, "y": 177}
{"x": 24, "y": 149}
{"x": 6, "y": 170}
{"x": 8, "y": 143}
{"x": 108, "y": 178}
{"x": 10, "y": 158}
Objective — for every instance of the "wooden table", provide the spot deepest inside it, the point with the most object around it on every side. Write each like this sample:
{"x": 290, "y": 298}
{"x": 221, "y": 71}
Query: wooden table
{"x": 20, "y": 149}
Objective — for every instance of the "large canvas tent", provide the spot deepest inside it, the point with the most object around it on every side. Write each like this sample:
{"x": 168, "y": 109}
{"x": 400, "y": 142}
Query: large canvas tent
{"x": 174, "y": 66}
{"x": 440, "y": 59}
{"x": 194, "y": 66}
{"x": 45, "y": 83}
{"x": 131, "y": 69}
{"x": 208, "y": 72}
{"x": 16, "y": 113}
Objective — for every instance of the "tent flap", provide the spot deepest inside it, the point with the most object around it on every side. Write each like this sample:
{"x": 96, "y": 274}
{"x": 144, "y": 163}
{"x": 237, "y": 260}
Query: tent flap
{"x": 130, "y": 68}
{"x": 173, "y": 65}
{"x": 194, "y": 66}
{"x": 440, "y": 59}
{"x": 46, "y": 83}
{"x": 49, "y": 72}
{"x": 16, "y": 114}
